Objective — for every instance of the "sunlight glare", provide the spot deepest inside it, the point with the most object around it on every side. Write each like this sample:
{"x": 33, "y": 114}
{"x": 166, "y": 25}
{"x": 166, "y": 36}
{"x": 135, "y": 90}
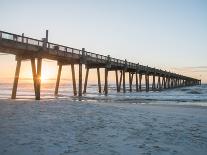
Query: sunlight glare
{"x": 48, "y": 72}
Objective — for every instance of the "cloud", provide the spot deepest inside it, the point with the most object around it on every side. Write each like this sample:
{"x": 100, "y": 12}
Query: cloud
{"x": 199, "y": 72}
{"x": 192, "y": 69}
{"x": 200, "y": 67}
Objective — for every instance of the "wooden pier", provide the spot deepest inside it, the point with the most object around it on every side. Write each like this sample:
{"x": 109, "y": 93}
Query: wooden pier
{"x": 25, "y": 48}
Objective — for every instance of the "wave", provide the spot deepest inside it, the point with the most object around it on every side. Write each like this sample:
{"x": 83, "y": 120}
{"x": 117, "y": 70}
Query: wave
{"x": 193, "y": 94}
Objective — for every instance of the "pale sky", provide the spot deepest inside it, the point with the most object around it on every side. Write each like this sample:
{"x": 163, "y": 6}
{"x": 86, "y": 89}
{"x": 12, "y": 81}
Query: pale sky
{"x": 167, "y": 34}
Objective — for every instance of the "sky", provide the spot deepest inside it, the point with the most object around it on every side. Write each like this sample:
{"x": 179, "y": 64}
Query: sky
{"x": 166, "y": 34}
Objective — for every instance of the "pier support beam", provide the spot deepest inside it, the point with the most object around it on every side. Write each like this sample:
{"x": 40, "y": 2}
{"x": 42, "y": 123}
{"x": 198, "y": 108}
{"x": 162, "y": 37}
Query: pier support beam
{"x": 34, "y": 74}
{"x": 117, "y": 80}
{"x": 179, "y": 82}
{"x": 80, "y": 80}
{"x": 171, "y": 82}
{"x": 16, "y": 78}
{"x": 137, "y": 87}
{"x": 153, "y": 83}
{"x": 140, "y": 82}
{"x": 73, "y": 79}
{"x": 147, "y": 82}
{"x": 130, "y": 81}
{"x": 164, "y": 82}
{"x": 124, "y": 86}
{"x": 120, "y": 80}
{"x": 81, "y": 62}
{"x": 174, "y": 84}
{"x": 168, "y": 82}
{"x": 99, "y": 80}
{"x": 86, "y": 80}
{"x": 106, "y": 82}
{"x": 38, "y": 80}
{"x": 58, "y": 79}
{"x": 158, "y": 83}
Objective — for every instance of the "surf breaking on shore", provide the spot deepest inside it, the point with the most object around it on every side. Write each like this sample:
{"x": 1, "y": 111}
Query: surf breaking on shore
{"x": 196, "y": 95}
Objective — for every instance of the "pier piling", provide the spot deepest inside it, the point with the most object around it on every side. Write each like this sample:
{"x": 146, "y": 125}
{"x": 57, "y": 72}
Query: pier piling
{"x": 99, "y": 80}
{"x": 73, "y": 79}
{"x": 137, "y": 87}
{"x": 34, "y": 74}
{"x": 106, "y": 82}
{"x": 86, "y": 80}
{"x": 38, "y": 81}
{"x": 16, "y": 78}
{"x": 117, "y": 80}
{"x": 58, "y": 79}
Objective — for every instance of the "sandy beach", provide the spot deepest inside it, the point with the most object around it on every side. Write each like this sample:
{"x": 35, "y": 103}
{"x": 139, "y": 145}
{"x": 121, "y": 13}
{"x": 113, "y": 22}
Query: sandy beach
{"x": 61, "y": 127}
{"x": 103, "y": 77}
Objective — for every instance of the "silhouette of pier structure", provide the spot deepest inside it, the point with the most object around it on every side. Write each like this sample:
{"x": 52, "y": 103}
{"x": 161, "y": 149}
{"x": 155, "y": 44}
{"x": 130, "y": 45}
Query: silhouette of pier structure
{"x": 34, "y": 50}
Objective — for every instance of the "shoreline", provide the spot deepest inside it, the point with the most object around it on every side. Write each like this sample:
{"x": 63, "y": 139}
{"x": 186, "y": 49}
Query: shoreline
{"x": 184, "y": 104}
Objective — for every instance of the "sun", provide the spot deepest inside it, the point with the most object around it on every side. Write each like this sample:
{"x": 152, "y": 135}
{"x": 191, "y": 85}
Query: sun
{"x": 48, "y": 72}
{"x": 44, "y": 78}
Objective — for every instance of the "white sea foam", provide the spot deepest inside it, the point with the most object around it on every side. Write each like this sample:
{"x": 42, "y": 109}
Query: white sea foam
{"x": 196, "y": 95}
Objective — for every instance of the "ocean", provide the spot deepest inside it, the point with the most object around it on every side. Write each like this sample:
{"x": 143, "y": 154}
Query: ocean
{"x": 193, "y": 95}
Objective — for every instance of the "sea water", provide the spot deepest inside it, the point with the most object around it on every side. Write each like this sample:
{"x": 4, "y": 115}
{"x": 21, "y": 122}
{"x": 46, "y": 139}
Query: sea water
{"x": 193, "y": 95}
